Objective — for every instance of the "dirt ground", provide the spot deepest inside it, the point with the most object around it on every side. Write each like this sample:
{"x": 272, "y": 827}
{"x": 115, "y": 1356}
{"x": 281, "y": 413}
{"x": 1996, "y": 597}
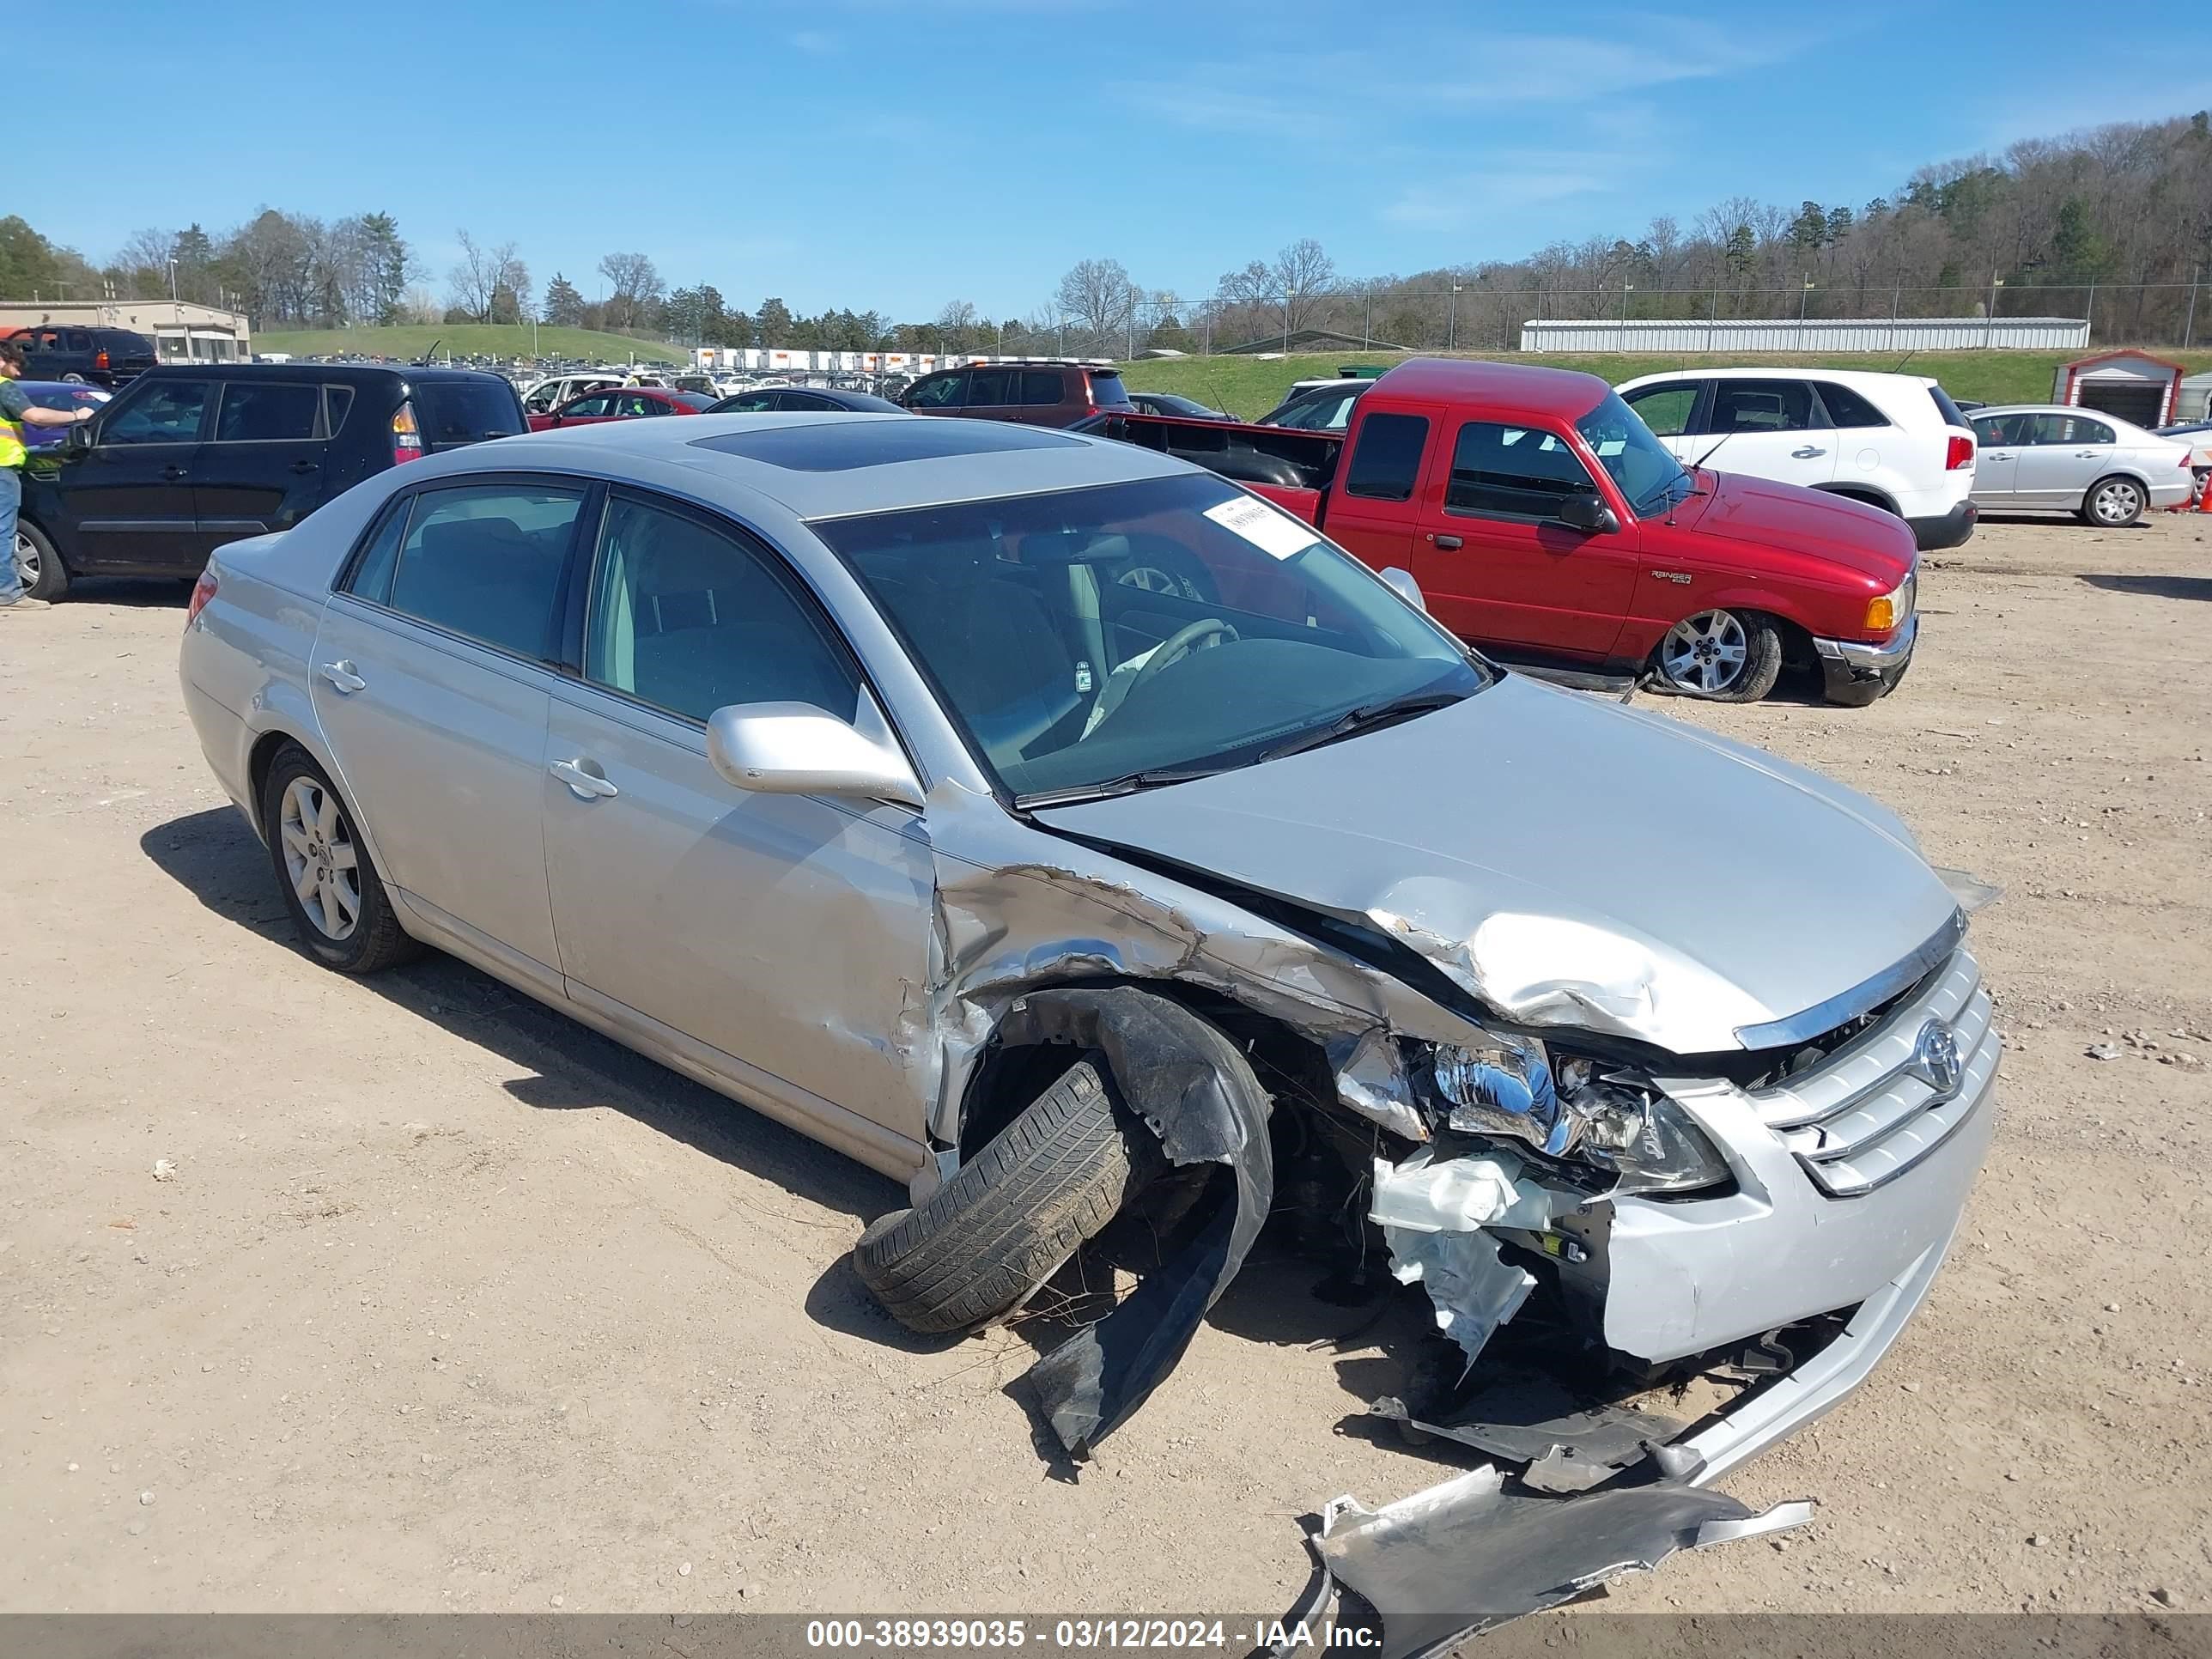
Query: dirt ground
{"x": 449, "y": 1303}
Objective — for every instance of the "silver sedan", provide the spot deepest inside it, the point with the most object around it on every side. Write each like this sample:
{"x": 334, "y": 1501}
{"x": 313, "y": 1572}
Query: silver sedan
{"x": 2053, "y": 458}
{"x": 1056, "y": 827}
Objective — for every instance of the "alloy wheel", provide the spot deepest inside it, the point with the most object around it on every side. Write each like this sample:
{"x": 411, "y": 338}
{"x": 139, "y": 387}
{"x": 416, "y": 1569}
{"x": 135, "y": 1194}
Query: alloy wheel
{"x": 320, "y": 858}
{"x": 27, "y": 562}
{"x": 1705, "y": 653}
{"x": 2116, "y": 503}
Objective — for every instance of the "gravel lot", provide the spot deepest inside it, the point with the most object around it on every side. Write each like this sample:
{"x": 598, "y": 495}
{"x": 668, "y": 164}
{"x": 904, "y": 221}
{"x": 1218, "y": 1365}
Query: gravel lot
{"x": 449, "y": 1303}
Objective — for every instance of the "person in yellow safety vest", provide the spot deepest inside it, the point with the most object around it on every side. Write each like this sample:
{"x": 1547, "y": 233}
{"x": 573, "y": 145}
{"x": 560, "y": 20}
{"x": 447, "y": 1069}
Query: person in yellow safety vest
{"x": 17, "y": 412}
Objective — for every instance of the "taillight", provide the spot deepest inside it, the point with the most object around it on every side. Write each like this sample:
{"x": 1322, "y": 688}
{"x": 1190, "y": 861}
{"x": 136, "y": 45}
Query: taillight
{"x": 202, "y": 591}
{"x": 99, "y": 360}
{"x": 406, "y": 437}
{"x": 1961, "y": 452}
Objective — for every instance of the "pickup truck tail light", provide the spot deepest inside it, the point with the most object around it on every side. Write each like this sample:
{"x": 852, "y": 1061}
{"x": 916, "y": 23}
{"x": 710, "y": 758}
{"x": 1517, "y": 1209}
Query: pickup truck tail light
{"x": 202, "y": 591}
{"x": 407, "y": 437}
{"x": 1961, "y": 454}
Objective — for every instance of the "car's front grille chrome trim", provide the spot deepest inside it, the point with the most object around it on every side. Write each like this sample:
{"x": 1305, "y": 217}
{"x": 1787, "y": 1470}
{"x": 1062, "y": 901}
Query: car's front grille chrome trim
{"x": 1873, "y": 1111}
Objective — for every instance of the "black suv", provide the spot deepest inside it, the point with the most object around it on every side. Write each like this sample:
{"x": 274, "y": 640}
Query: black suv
{"x": 1041, "y": 392}
{"x": 97, "y": 356}
{"x": 187, "y": 458}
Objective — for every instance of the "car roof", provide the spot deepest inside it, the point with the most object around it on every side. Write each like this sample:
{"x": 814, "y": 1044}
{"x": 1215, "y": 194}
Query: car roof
{"x": 833, "y": 465}
{"x": 1564, "y": 393}
{"x": 2058, "y": 409}
{"x": 336, "y": 373}
{"x": 1862, "y": 380}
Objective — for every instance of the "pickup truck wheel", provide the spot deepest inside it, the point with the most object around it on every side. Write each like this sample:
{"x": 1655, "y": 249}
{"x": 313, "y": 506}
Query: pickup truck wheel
{"x": 1722, "y": 656}
{"x": 2112, "y": 503}
{"x": 38, "y": 567}
{"x": 1013, "y": 1213}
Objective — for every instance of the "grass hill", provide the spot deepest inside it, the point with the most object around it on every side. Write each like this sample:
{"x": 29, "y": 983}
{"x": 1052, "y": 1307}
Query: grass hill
{"x": 406, "y": 342}
{"x": 1250, "y": 386}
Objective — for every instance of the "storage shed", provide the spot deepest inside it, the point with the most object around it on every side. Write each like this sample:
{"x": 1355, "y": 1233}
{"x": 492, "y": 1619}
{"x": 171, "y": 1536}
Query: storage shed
{"x": 2196, "y": 400}
{"x": 2132, "y": 385}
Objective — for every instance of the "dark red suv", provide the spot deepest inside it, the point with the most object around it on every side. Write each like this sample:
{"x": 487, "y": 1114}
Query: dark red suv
{"x": 1036, "y": 393}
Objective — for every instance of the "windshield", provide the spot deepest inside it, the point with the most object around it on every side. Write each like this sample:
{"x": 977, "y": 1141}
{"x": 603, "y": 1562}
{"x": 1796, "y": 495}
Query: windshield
{"x": 1647, "y": 474}
{"x": 1085, "y": 639}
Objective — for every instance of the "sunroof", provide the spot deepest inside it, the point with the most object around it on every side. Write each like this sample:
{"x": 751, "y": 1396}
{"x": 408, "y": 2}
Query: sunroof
{"x": 841, "y": 445}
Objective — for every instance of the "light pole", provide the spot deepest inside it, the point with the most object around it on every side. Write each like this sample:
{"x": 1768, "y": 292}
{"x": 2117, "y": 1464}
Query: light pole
{"x": 1451, "y": 327}
{"x": 1804, "y": 297}
{"x": 1990, "y": 322}
{"x": 174, "y": 298}
{"x": 2188, "y": 326}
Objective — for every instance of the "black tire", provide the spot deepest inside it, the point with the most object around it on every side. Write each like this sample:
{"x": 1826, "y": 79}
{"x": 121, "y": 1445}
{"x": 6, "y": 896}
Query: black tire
{"x": 2113, "y": 503}
{"x": 1013, "y": 1213}
{"x": 1762, "y": 660}
{"x": 51, "y": 580}
{"x": 375, "y": 940}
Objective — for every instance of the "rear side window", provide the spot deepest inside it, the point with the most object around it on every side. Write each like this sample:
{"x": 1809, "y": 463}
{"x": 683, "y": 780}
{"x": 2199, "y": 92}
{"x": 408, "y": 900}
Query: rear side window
{"x": 688, "y": 619}
{"x": 1513, "y": 473}
{"x": 1952, "y": 416}
{"x": 486, "y": 561}
{"x": 1665, "y": 409}
{"x": 938, "y": 392}
{"x": 1106, "y": 392}
{"x": 1846, "y": 408}
{"x": 1762, "y": 406}
{"x": 1387, "y": 462}
{"x": 262, "y": 411}
{"x": 79, "y": 340}
{"x": 1040, "y": 387}
{"x": 990, "y": 388}
{"x": 454, "y": 412}
{"x": 338, "y": 401}
{"x": 371, "y": 571}
{"x": 2071, "y": 429}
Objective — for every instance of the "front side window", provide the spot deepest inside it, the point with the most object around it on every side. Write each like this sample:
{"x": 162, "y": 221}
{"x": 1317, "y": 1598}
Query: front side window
{"x": 597, "y": 404}
{"x": 1761, "y": 406}
{"x": 544, "y": 400}
{"x": 260, "y": 411}
{"x": 688, "y": 617}
{"x": 1097, "y": 640}
{"x": 168, "y": 414}
{"x": 938, "y": 391}
{"x": 486, "y": 561}
{"x": 1500, "y": 471}
{"x": 1386, "y": 464}
{"x": 1665, "y": 409}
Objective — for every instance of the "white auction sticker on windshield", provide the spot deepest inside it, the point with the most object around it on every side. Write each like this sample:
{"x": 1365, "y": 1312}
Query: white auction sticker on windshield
{"x": 1276, "y": 534}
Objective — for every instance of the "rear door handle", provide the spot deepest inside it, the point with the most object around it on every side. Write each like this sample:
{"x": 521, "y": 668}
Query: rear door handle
{"x": 1998, "y": 455}
{"x": 341, "y": 675}
{"x": 584, "y": 778}
{"x": 305, "y": 467}
{"x": 1447, "y": 542}
{"x": 173, "y": 473}
{"x": 1808, "y": 453}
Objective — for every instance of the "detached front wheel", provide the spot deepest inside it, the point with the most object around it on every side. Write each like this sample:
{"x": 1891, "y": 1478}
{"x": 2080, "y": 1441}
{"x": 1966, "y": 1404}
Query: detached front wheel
{"x": 1722, "y": 656}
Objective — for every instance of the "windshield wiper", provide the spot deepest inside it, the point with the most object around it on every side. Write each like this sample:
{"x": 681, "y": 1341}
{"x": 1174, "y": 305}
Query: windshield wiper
{"x": 1365, "y": 718}
{"x": 1128, "y": 784}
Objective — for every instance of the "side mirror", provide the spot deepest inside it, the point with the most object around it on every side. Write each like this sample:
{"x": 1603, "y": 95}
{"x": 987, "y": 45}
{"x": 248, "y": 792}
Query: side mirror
{"x": 1589, "y": 514}
{"x": 78, "y": 439}
{"x": 796, "y": 749}
{"x": 1401, "y": 583}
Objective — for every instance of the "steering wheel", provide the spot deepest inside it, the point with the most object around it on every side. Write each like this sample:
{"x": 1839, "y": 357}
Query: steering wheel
{"x": 1177, "y": 646}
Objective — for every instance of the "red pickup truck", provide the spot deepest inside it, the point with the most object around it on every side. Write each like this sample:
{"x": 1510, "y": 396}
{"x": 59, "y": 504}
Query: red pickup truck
{"x": 1542, "y": 520}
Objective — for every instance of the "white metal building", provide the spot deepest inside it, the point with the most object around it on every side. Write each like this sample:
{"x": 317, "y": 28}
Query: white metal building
{"x": 1734, "y": 335}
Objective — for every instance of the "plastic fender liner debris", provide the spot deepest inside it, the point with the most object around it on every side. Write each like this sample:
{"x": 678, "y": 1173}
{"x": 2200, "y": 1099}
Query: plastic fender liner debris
{"x": 1430, "y": 1212}
{"x": 1527, "y": 1419}
{"x": 1466, "y": 1556}
{"x": 1198, "y": 1093}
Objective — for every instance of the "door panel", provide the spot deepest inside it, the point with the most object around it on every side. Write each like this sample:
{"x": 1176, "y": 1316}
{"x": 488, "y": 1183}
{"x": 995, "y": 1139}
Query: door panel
{"x": 1772, "y": 429}
{"x": 782, "y": 930}
{"x": 262, "y": 467}
{"x": 1375, "y": 508}
{"x": 127, "y": 503}
{"x": 1998, "y": 442}
{"x": 1518, "y": 577}
{"x": 2065, "y": 454}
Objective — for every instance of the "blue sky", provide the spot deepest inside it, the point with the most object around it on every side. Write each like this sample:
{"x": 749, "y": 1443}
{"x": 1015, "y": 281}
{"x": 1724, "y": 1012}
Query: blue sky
{"x": 898, "y": 153}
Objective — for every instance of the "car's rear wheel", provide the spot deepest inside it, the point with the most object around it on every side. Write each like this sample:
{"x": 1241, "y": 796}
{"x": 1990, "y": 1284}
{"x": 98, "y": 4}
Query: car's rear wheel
{"x": 2113, "y": 503}
{"x": 330, "y": 883}
{"x": 1722, "y": 656}
{"x": 1014, "y": 1212}
{"x": 38, "y": 567}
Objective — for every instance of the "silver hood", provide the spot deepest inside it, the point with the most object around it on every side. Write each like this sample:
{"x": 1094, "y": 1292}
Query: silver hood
{"x": 1570, "y": 862}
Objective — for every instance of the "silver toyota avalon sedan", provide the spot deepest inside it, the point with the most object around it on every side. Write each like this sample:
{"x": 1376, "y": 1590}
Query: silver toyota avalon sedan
{"x": 1075, "y": 837}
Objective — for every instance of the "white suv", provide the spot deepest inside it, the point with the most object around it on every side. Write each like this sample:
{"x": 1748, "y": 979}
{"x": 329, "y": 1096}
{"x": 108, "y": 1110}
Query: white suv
{"x": 1894, "y": 440}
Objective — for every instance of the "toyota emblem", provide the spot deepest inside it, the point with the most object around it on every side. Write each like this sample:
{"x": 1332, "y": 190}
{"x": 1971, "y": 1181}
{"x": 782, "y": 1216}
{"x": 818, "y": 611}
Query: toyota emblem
{"x": 1936, "y": 1059}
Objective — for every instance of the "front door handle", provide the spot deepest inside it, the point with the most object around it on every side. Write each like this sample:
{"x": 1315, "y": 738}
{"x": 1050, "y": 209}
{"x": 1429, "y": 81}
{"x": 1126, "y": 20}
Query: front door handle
{"x": 583, "y": 777}
{"x": 341, "y": 675}
{"x": 1447, "y": 542}
{"x": 1808, "y": 453}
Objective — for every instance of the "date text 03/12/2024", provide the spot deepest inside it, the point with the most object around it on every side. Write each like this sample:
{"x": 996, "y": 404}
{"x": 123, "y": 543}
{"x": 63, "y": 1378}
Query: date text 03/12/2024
{"x": 1076, "y": 1635}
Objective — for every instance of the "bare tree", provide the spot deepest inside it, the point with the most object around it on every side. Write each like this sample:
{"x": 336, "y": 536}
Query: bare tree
{"x": 1098, "y": 301}
{"x": 632, "y": 283}
{"x": 1304, "y": 276}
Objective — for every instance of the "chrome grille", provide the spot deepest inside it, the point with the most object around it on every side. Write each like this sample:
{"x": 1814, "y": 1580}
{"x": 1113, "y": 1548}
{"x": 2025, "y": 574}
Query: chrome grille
{"x": 1868, "y": 1114}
